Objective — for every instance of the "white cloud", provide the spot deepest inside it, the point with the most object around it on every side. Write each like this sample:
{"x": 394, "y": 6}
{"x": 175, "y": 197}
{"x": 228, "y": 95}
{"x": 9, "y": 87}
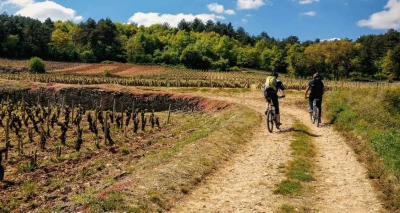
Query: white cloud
{"x": 249, "y": 15}
{"x": 148, "y": 19}
{"x": 217, "y": 8}
{"x": 214, "y": 7}
{"x": 249, "y": 4}
{"x": 307, "y": 1}
{"x": 330, "y": 39}
{"x": 78, "y": 18}
{"x": 46, "y": 9}
{"x": 17, "y": 3}
{"x": 244, "y": 20}
{"x": 230, "y": 12}
{"x": 311, "y": 13}
{"x": 386, "y": 19}
{"x": 42, "y": 10}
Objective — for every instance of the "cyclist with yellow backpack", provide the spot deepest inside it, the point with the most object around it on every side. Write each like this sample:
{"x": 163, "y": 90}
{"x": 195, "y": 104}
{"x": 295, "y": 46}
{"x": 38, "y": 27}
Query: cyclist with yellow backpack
{"x": 271, "y": 87}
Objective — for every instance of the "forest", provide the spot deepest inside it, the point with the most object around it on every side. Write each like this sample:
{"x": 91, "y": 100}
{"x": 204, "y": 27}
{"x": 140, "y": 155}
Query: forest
{"x": 202, "y": 46}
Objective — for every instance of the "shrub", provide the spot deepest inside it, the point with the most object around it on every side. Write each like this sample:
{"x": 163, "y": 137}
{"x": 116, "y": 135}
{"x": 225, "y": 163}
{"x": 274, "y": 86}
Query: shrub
{"x": 234, "y": 68}
{"x": 106, "y": 73}
{"x": 110, "y": 62}
{"x": 36, "y": 65}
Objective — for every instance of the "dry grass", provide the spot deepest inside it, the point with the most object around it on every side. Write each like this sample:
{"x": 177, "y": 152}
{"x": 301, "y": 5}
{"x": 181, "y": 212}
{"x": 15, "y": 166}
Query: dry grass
{"x": 370, "y": 121}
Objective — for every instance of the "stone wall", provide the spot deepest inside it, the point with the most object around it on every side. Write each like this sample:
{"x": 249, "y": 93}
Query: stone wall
{"x": 13, "y": 70}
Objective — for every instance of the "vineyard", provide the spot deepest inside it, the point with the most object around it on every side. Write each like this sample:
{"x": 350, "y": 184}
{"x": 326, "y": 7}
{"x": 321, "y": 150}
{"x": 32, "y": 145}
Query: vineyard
{"x": 52, "y": 135}
{"x": 159, "y": 76}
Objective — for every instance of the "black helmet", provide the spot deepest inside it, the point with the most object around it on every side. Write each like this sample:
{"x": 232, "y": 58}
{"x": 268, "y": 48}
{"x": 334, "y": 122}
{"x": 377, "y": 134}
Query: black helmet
{"x": 274, "y": 74}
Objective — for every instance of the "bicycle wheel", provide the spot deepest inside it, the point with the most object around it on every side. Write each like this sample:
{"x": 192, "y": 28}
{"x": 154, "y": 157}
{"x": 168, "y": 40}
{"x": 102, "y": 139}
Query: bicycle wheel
{"x": 316, "y": 117}
{"x": 270, "y": 121}
{"x": 311, "y": 116}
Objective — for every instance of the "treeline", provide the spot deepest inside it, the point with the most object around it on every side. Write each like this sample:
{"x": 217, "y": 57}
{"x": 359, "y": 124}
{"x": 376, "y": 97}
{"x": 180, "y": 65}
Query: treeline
{"x": 199, "y": 45}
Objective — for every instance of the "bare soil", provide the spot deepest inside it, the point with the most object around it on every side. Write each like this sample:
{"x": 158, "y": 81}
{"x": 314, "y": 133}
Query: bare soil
{"x": 246, "y": 183}
{"x": 126, "y": 70}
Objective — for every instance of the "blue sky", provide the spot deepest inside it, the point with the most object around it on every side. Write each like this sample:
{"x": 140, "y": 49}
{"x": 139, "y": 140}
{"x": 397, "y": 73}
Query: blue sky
{"x": 307, "y": 19}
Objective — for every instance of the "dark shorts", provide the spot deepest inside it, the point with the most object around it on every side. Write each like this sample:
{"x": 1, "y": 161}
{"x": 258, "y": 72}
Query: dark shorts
{"x": 274, "y": 98}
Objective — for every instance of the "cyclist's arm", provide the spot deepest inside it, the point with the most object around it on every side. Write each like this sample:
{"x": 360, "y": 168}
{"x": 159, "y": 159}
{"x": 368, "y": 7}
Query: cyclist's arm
{"x": 308, "y": 89}
{"x": 282, "y": 88}
{"x": 283, "y": 92}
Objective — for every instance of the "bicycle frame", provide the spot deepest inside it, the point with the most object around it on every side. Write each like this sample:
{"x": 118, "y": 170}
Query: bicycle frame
{"x": 315, "y": 119}
{"x": 271, "y": 107}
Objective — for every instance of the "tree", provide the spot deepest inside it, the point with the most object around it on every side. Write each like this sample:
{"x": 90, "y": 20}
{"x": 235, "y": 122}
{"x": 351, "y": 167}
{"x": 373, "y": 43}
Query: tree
{"x": 106, "y": 46}
{"x": 180, "y": 41}
{"x": 291, "y": 40}
{"x": 197, "y": 25}
{"x": 62, "y": 46}
{"x": 192, "y": 58}
{"x": 297, "y": 64}
{"x": 249, "y": 57}
{"x": 209, "y": 27}
{"x": 10, "y": 45}
{"x": 134, "y": 49}
{"x": 396, "y": 58}
{"x": 184, "y": 25}
{"x": 389, "y": 66}
{"x": 267, "y": 59}
{"x": 225, "y": 50}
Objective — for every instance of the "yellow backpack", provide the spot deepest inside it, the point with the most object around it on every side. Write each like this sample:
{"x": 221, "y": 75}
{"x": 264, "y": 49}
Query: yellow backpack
{"x": 270, "y": 83}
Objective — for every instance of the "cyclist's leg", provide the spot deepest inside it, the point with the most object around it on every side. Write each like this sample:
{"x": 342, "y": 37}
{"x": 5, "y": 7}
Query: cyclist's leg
{"x": 319, "y": 105}
{"x": 267, "y": 100}
{"x": 310, "y": 103}
{"x": 274, "y": 98}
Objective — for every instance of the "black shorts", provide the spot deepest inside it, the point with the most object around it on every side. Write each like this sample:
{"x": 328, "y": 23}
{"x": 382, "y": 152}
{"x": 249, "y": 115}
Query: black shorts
{"x": 274, "y": 98}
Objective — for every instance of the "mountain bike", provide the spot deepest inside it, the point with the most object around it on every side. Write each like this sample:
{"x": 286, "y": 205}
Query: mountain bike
{"x": 271, "y": 119}
{"x": 315, "y": 119}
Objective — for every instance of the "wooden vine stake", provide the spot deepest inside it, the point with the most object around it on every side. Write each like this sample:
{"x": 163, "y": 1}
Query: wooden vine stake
{"x": 3, "y": 150}
{"x": 20, "y": 145}
{"x": 59, "y": 152}
{"x": 72, "y": 116}
{"x": 122, "y": 113}
{"x": 63, "y": 103}
{"x": 133, "y": 109}
{"x": 23, "y": 107}
{"x": 105, "y": 128}
{"x": 113, "y": 112}
{"x": 169, "y": 113}
{"x": 7, "y": 137}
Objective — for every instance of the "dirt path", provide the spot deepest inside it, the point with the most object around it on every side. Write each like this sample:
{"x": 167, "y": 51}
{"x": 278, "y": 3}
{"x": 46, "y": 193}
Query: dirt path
{"x": 341, "y": 184}
{"x": 247, "y": 182}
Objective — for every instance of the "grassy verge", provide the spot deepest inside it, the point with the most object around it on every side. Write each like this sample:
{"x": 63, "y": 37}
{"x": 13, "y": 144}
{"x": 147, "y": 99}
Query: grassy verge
{"x": 299, "y": 171}
{"x": 370, "y": 118}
